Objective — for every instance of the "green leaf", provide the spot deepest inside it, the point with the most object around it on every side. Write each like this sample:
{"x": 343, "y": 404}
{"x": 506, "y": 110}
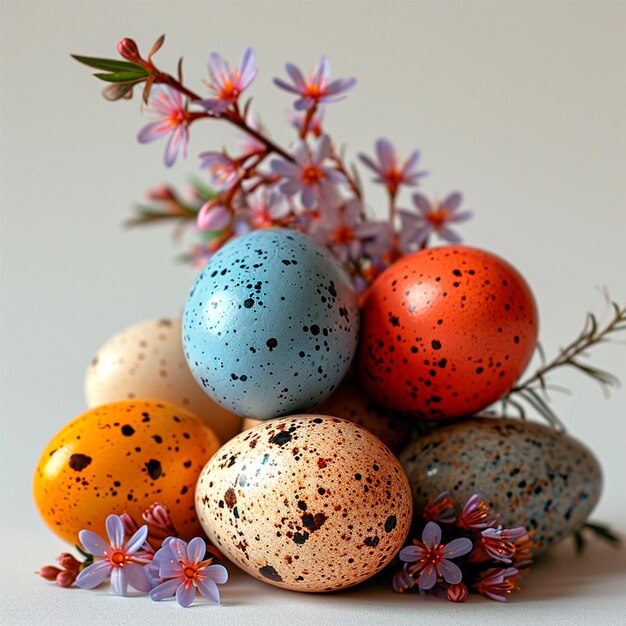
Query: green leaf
{"x": 124, "y": 77}
{"x": 110, "y": 65}
{"x": 204, "y": 191}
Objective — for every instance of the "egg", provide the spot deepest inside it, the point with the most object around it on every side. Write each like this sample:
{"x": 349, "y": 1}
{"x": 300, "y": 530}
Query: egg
{"x": 307, "y": 503}
{"x": 147, "y": 361}
{"x": 445, "y": 333}
{"x": 271, "y": 324}
{"x": 531, "y": 475}
{"x": 120, "y": 457}
{"x": 350, "y": 403}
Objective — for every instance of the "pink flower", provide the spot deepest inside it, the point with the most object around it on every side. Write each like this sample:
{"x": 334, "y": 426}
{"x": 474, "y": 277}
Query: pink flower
{"x": 228, "y": 84}
{"x": 223, "y": 170}
{"x": 457, "y": 592}
{"x": 307, "y": 176}
{"x": 388, "y": 169}
{"x": 182, "y": 572}
{"x": 476, "y": 514}
{"x": 497, "y": 583}
{"x": 317, "y": 87}
{"x": 173, "y": 119}
{"x": 213, "y": 216}
{"x": 431, "y": 557}
{"x": 499, "y": 543}
{"x": 114, "y": 558}
{"x": 431, "y": 219}
{"x": 265, "y": 209}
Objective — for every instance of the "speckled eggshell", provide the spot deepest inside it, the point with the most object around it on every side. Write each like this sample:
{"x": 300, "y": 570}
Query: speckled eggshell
{"x": 307, "y": 503}
{"x": 121, "y": 457}
{"x": 532, "y": 475}
{"x": 445, "y": 332}
{"x": 350, "y": 403}
{"x": 147, "y": 361}
{"x": 271, "y": 324}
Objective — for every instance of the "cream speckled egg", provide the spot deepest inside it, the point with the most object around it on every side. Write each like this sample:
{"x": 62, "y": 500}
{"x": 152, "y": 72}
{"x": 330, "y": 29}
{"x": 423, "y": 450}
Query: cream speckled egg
{"x": 147, "y": 361}
{"x": 349, "y": 402}
{"x": 307, "y": 503}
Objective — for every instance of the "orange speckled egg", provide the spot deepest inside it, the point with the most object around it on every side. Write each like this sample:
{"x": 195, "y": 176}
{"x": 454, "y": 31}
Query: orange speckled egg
{"x": 445, "y": 332}
{"x": 307, "y": 503}
{"x": 121, "y": 457}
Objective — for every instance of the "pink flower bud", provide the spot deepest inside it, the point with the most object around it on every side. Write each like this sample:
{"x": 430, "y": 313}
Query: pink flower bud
{"x": 49, "y": 572}
{"x": 66, "y": 578}
{"x": 68, "y": 561}
{"x": 157, "y": 515}
{"x": 162, "y": 192}
{"x": 129, "y": 50}
{"x": 213, "y": 217}
{"x": 457, "y": 593}
{"x": 130, "y": 525}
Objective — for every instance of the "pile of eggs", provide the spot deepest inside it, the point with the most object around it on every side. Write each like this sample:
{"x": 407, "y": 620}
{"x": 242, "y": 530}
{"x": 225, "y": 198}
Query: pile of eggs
{"x": 310, "y": 396}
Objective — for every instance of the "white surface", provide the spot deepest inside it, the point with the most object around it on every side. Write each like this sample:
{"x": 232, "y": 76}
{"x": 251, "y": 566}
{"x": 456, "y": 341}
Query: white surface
{"x": 519, "y": 105}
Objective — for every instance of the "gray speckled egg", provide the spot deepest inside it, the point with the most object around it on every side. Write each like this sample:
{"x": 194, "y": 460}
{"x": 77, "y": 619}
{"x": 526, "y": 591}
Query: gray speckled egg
{"x": 531, "y": 475}
{"x": 271, "y": 324}
{"x": 147, "y": 361}
{"x": 307, "y": 502}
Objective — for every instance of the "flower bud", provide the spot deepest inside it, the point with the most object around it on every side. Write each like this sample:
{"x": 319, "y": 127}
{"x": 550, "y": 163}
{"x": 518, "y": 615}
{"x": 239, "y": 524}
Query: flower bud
{"x": 117, "y": 91}
{"x": 49, "y": 572}
{"x": 66, "y": 578}
{"x": 213, "y": 217}
{"x": 163, "y": 192}
{"x": 129, "y": 50}
{"x": 158, "y": 515}
{"x": 457, "y": 592}
{"x": 68, "y": 561}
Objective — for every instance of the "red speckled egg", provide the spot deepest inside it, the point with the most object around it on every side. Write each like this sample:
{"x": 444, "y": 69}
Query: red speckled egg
{"x": 445, "y": 332}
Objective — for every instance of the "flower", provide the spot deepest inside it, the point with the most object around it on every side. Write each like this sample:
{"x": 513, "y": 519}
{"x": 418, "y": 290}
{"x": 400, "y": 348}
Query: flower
{"x": 306, "y": 175}
{"x": 431, "y": 557}
{"x": 265, "y": 209}
{"x": 174, "y": 118}
{"x": 317, "y": 88}
{"x": 183, "y": 572}
{"x": 299, "y": 119}
{"x": 476, "y": 514}
{"x": 389, "y": 171}
{"x": 497, "y": 543}
{"x": 523, "y": 551}
{"x": 223, "y": 170}
{"x": 114, "y": 558}
{"x": 432, "y": 218}
{"x": 229, "y": 84}
{"x": 402, "y": 580}
{"x": 440, "y": 509}
{"x": 497, "y": 583}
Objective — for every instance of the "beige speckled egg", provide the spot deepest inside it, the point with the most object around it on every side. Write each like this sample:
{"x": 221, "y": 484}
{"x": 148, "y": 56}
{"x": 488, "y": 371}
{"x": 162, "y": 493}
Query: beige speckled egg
{"x": 147, "y": 361}
{"x": 306, "y": 502}
{"x": 349, "y": 402}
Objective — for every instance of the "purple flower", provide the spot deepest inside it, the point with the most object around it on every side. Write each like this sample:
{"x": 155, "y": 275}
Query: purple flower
{"x": 113, "y": 558}
{"x": 317, "y": 87}
{"x": 173, "y": 119}
{"x": 223, "y": 170}
{"x": 265, "y": 209}
{"x": 182, "y": 572}
{"x": 497, "y": 583}
{"x": 228, "y": 84}
{"x": 388, "y": 170}
{"x": 476, "y": 514}
{"x": 440, "y": 509}
{"x": 430, "y": 557}
{"x": 499, "y": 543}
{"x": 298, "y": 119}
{"x": 431, "y": 218}
{"x": 307, "y": 176}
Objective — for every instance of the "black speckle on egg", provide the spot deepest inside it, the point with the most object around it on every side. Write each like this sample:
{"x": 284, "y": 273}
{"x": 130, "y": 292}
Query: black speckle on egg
{"x": 154, "y": 468}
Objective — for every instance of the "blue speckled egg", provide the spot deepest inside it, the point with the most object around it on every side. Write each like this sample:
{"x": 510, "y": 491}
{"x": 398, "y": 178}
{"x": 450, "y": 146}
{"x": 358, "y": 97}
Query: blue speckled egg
{"x": 271, "y": 324}
{"x": 530, "y": 474}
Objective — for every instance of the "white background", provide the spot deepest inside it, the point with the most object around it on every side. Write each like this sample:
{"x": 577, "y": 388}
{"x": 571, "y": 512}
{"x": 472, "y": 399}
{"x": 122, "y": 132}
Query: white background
{"x": 520, "y": 105}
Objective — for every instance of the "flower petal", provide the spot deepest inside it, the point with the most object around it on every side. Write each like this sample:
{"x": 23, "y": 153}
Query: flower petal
{"x": 457, "y": 547}
{"x": 367, "y": 161}
{"x": 119, "y": 582}
{"x": 137, "y": 577}
{"x": 428, "y": 577}
{"x": 208, "y": 589}
{"x": 340, "y": 85}
{"x": 286, "y": 86}
{"x": 386, "y": 154}
{"x": 218, "y": 573}
{"x": 153, "y": 131}
{"x": 449, "y": 235}
{"x": 421, "y": 202}
{"x": 411, "y": 553}
{"x": 296, "y": 76}
{"x": 137, "y": 540}
{"x": 165, "y": 590}
{"x": 431, "y": 536}
{"x": 185, "y": 594}
{"x": 93, "y": 574}
{"x": 450, "y": 571}
{"x": 247, "y": 68}
{"x": 452, "y": 202}
{"x": 93, "y": 544}
{"x": 196, "y": 549}
{"x": 115, "y": 531}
